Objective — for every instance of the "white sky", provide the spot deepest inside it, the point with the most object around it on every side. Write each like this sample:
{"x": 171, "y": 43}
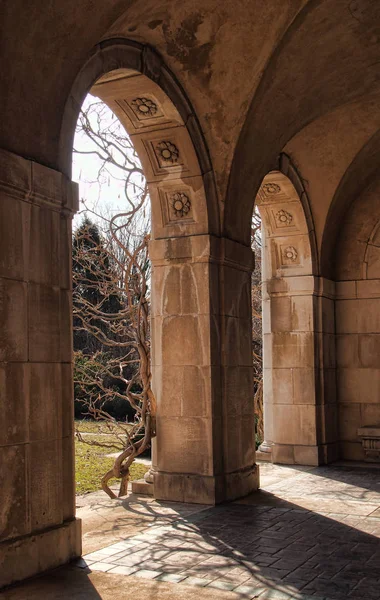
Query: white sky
{"x": 104, "y": 193}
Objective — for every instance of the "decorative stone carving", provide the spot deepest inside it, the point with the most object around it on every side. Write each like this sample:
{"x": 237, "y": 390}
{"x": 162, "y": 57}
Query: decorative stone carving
{"x": 290, "y": 254}
{"x": 144, "y": 108}
{"x": 283, "y": 218}
{"x": 271, "y": 188}
{"x": 181, "y": 204}
{"x": 167, "y": 153}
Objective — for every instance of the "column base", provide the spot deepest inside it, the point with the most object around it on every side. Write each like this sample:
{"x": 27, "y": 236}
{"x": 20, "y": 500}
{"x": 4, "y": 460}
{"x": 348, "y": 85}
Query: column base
{"x": 203, "y": 489}
{"x": 312, "y": 456}
{"x": 34, "y": 554}
{"x": 142, "y": 487}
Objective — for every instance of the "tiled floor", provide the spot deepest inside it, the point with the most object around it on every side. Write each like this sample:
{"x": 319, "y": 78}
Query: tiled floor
{"x": 309, "y": 533}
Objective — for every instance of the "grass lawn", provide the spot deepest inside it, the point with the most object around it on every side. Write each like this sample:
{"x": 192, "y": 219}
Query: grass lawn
{"x": 91, "y": 462}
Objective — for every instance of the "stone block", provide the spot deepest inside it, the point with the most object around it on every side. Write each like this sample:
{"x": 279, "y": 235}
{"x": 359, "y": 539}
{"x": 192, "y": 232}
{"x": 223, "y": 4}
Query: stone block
{"x": 184, "y": 390}
{"x": 349, "y": 421}
{"x": 14, "y": 229}
{"x": 345, "y": 289}
{"x": 358, "y": 385}
{"x": 45, "y": 459}
{"x": 238, "y": 383}
{"x": 368, "y": 288}
{"x": 328, "y": 422}
{"x": 13, "y": 321}
{"x": 281, "y": 313}
{"x": 306, "y": 455}
{"x": 37, "y": 553}
{"x": 178, "y": 487}
{"x": 68, "y": 478}
{"x": 65, "y": 253}
{"x": 358, "y": 316}
{"x": 370, "y": 414}
{"x": 283, "y": 454}
{"x": 294, "y": 424}
{"x": 302, "y": 313}
{"x": 142, "y": 488}
{"x": 233, "y": 444}
{"x": 67, "y": 399}
{"x": 66, "y": 326}
{"x": 44, "y": 246}
{"x": 14, "y": 496}
{"x": 45, "y": 418}
{"x": 186, "y": 340}
{"x": 15, "y": 171}
{"x": 185, "y": 445}
{"x": 304, "y": 386}
{"x": 347, "y": 350}
{"x": 292, "y": 350}
{"x": 44, "y": 323}
{"x": 369, "y": 350}
{"x": 14, "y": 403}
{"x": 329, "y": 349}
{"x": 236, "y": 292}
{"x": 328, "y": 376}
{"x": 237, "y": 342}
{"x": 281, "y": 388}
{"x": 328, "y": 315}
{"x": 352, "y": 451}
{"x": 47, "y": 183}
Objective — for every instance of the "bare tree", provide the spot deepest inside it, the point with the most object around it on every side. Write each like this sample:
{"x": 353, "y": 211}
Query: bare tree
{"x": 257, "y": 333}
{"x": 111, "y": 275}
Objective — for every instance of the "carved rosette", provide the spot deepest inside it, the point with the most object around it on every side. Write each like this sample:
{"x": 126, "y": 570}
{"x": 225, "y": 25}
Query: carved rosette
{"x": 167, "y": 153}
{"x": 180, "y": 204}
{"x": 144, "y": 108}
{"x": 271, "y": 188}
{"x": 283, "y": 218}
{"x": 290, "y": 254}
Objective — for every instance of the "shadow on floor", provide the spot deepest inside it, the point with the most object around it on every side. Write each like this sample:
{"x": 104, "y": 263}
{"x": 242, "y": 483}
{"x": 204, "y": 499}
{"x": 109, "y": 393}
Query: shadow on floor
{"x": 264, "y": 542}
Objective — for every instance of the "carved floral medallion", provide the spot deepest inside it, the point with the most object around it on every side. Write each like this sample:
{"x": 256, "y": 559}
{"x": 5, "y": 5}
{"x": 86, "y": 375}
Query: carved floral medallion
{"x": 167, "y": 153}
{"x": 290, "y": 254}
{"x": 180, "y": 204}
{"x": 271, "y": 188}
{"x": 283, "y": 218}
{"x": 144, "y": 107}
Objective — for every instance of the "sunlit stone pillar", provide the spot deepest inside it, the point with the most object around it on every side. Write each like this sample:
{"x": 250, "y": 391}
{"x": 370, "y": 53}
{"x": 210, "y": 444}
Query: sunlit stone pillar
{"x": 202, "y": 369}
{"x": 38, "y": 529}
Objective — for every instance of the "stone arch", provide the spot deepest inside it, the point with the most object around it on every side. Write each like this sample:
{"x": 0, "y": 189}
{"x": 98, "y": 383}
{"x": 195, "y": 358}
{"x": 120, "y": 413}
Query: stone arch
{"x": 121, "y": 71}
{"x": 197, "y": 330}
{"x": 296, "y": 307}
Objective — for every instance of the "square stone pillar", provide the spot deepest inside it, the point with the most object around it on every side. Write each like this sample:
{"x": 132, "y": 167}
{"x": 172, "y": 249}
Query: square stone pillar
{"x": 299, "y": 370}
{"x": 202, "y": 369}
{"x": 38, "y": 529}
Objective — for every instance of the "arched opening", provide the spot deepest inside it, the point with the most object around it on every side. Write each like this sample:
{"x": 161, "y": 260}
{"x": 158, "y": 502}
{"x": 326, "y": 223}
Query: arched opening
{"x": 298, "y": 328}
{"x": 200, "y": 344}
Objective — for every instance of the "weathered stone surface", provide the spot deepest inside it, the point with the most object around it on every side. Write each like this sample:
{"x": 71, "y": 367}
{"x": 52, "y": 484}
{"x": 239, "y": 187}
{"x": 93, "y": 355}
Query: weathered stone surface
{"x": 13, "y": 320}
{"x": 14, "y": 403}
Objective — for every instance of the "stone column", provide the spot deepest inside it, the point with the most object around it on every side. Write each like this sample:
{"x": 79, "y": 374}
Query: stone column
{"x": 38, "y": 529}
{"x": 299, "y": 371}
{"x": 202, "y": 369}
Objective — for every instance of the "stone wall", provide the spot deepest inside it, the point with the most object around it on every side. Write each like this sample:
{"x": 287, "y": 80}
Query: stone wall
{"x": 358, "y": 323}
{"x": 37, "y": 523}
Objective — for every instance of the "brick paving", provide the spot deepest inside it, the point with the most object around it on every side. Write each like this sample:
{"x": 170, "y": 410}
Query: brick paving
{"x": 310, "y": 533}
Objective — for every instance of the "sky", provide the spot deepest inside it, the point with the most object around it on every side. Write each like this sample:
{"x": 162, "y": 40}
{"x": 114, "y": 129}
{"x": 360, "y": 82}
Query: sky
{"x": 101, "y": 189}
